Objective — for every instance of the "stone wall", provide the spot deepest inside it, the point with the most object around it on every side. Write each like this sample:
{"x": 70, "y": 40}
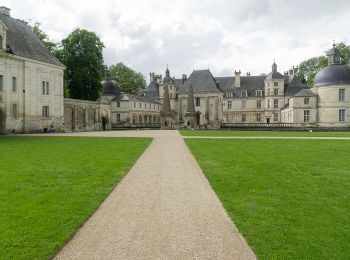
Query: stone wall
{"x": 82, "y": 115}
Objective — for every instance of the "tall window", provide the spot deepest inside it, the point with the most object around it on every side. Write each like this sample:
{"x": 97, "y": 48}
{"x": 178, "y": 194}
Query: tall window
{"x": 198, "y": 102}
{"x": 244, "y": 103}
{"x": 229, "y": 104}
{"x": 118, "y": 118}
{"x": 134, "y": 104}
{"x": 258, "y": 104}
{"x": 275, "y": 117}
{"x": 275, "y": 84}
{"x": 1, "y": 82}
{"x": 14, "y": 84}
{"x": 342, "y": 94}
{"x": 244, "y": 118}
{"x": 45, "y": 111}
{"x": 43, "y": 88}
{"x": 258, "y": 117}
{"x": 14, "y": 111}
{"x": 139, "y": 105}
{"x": 306, "y": 101}
{"x": 341, "y": 115}
{"x": 306, "y": 116}
{"x": 268, "y": 103}
{"x": 275, "y": 103}
{"x": 275, "y": 92}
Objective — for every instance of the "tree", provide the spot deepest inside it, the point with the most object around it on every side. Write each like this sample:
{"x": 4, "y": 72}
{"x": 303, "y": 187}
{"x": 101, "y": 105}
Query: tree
{"x": 52, "y": 46}
{"x": 81, "y": 53}
{"x": 309, "y": 68}
{"x": 128, "y": 79}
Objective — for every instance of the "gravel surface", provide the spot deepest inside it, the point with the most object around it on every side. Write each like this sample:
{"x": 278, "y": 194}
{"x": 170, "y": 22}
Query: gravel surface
{"x": 164, "y": 208}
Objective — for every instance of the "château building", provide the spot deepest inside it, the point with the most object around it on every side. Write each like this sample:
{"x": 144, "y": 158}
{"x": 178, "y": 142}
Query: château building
{"x": 32, "y": 95}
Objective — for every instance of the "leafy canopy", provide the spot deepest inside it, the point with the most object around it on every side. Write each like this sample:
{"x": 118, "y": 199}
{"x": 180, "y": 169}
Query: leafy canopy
{"x": 81, "y": 52}
{"x": 128, "y": 79}
{"x": 309, "y": 68}
{"x": 52, "y": 46}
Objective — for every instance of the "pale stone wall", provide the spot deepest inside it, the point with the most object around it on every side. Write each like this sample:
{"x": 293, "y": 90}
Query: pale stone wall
{"x": 210, "y": 109}
{"x": 294, "y": 113}
{"x": 29, "y": 97}
{"x": 134, "y": 112}
{"x": 329, "y": 106}
{"x": 234, "y": 114}
{"x": 83, "y": 115}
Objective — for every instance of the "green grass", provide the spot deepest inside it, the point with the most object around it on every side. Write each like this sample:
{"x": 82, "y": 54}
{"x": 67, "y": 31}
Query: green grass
{"x": 262, "y": 133}
{"x": 289, "y": 198}
{"x": 50, "y": 185}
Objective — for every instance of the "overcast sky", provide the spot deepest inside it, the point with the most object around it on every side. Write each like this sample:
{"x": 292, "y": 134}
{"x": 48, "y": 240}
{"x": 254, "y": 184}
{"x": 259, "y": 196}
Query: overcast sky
{"x": 222, "y": 35}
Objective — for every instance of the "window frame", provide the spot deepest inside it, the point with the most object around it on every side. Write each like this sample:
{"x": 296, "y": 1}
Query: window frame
{"x": 342, "y": 115}
{"x": 275, "y": 103}
{"x": 14, "y": 84}
{"x": 275, "y": 116}
{"x": 342, "y": 94}
{"x": 229, "y": 104}
{"x": 198, "y": 101}
{"x": 306, "y": 101}
{"x": 1, "y": 82}
{"x": 258, "y": 104}
{"x": 307, "y": 114}
{"x": 46, "y": 111}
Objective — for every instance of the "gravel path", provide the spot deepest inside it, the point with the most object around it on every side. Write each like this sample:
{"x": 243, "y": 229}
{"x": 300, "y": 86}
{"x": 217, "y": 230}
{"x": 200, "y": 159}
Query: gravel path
{"x": 164, "y": 208}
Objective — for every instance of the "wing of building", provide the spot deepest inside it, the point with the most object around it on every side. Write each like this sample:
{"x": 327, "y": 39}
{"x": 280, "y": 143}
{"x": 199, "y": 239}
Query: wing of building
{"x": 31, "y": 79}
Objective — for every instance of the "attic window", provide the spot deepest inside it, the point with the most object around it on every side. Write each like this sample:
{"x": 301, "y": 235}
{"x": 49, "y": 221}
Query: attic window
{"x": 244, "y": 93}
{"x": 259, "y": 93}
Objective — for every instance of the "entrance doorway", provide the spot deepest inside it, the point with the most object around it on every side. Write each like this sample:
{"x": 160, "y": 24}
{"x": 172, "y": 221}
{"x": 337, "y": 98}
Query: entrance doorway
{"x": 198, "y": 119}
{"x": 2, "y": 121}
{"x": 268, "y": 120}
{"x": 104, "y": 123}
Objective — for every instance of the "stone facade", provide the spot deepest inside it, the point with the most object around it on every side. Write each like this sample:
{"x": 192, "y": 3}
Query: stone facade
{"x": 31, "y": 81}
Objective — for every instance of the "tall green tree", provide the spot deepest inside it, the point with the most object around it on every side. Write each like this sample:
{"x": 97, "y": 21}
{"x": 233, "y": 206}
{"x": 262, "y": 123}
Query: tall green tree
{"x": 309, "y": 68}
{"x": 36, "y": 29}
{"x": 128, "y": 79}
{"x": 82, "y": 55}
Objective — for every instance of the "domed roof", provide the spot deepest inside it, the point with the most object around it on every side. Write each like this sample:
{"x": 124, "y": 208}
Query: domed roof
{"x": 333, "y": 75}
{"x": 110, "y": 88}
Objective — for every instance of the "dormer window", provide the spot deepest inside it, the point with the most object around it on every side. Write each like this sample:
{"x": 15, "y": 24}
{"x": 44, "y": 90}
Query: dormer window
{"x": 244, "y": 93}
{"x": 3, "y": 35}
{"x": 259, "y": 93}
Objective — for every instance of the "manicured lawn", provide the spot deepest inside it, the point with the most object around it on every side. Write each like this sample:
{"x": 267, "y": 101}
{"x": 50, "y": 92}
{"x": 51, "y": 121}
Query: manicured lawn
{"x": 289, "y": 198}
{"x": 50, "y": 185}
{"x": 261, "y": 133}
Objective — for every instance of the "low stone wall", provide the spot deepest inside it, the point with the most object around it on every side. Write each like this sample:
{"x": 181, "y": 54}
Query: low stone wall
{"x": 82, "y": 115}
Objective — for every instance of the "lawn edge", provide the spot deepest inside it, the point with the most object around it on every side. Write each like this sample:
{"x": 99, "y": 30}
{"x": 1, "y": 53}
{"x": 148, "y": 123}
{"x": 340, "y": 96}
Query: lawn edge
{"x": 56, "y": 252}
{"x": 217, "y": 197}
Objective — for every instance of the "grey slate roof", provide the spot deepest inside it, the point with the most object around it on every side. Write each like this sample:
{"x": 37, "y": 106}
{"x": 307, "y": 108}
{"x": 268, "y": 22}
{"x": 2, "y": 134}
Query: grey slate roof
{"x": 202, "y": 81}
{"x": 274, "y": 75}
{"x": 23, "y": 42}
{"x": 152, "y": 91}
{"x": 305, "y": 93}
{"x": 249, "y": 83}
{"x": 333, "y": 75}
{"x": 293, "y": 86}
{"x": 136, "y": 98}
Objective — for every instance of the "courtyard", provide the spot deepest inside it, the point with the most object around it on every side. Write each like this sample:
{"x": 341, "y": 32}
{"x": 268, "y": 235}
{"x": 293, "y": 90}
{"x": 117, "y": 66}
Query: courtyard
{"x": 270, "y": 198}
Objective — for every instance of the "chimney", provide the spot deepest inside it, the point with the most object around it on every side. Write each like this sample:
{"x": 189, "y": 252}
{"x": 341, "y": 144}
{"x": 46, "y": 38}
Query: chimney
{"x": 237, "y": 79}
{"x": 296, "y": 70}
{"x": 184, "y": 78}
{"x": 5, "y": 10}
